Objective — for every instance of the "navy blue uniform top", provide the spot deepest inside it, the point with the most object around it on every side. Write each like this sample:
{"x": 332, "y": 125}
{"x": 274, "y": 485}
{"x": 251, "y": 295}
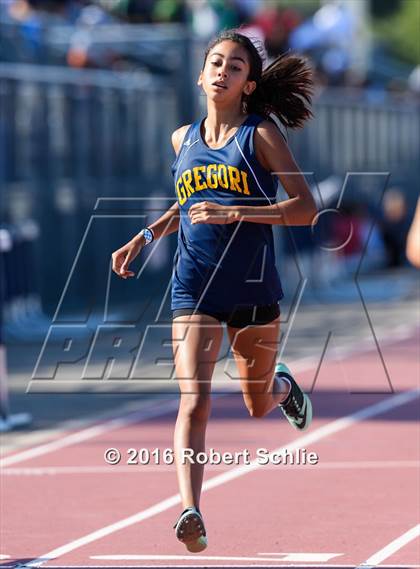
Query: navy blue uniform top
{"x": 222, "y": 267}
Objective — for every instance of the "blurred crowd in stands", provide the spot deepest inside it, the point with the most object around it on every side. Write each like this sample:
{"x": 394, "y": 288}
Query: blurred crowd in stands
{"x": 360, "y": 237}
{"x": 382, "y": 233}
{"x": 331, "y": 35}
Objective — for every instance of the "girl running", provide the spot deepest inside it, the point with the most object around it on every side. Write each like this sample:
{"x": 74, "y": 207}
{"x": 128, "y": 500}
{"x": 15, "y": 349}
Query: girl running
{"x": 224, "y": 270}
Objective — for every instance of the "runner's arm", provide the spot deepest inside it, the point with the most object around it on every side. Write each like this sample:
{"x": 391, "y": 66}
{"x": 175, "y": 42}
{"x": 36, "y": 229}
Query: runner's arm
{"x": 275, "y": 156}
{"x": 169, "y": 222}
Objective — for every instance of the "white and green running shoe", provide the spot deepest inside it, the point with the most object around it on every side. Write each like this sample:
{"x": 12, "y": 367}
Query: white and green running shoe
{"x": 298, "y": 407}
{"x": 189, "y": 529}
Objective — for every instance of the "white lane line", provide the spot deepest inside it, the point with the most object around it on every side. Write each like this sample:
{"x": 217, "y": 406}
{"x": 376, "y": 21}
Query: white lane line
{"x": 402, "y": 332}
{"x": 338, "y": 425}
{"x": 164, "y": 468}
{"x": 305, "y": 557}
{"x": 301, "y": 365}
{"x": 156, "y": 409}
{"x": 392, "y": 547}
{"x": 67, "y": 426}
{"x": 207, "y": 565}
{"x": 320, "y": 433}
{"x": 130, "y": 557}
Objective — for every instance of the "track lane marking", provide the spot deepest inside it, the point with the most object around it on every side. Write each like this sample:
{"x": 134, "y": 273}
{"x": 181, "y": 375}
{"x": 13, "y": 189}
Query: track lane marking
{"x": 395, "y": 545}
{"x": 155, "y": 410}
{"x": 218, "y": 566}
{"x": 306, "y": 557}
{"x": 402, "y": 333}
{"x": 335, "y": 426}
{"x": 288, "y": 557}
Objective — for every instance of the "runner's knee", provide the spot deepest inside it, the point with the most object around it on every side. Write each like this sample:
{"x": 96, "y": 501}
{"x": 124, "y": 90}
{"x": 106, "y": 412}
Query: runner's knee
{"x": 195, "y": 406}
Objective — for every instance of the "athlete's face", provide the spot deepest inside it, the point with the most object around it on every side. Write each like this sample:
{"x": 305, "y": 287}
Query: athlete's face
{"x": 225, "y": 74}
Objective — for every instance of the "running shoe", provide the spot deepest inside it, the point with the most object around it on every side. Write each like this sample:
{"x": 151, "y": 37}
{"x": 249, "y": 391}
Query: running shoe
{"x": 297, "y": 408}
{"x": 189, "y": 529}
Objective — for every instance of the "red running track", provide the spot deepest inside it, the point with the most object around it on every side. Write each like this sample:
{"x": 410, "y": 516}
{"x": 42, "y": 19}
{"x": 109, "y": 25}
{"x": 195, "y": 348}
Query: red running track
{"x": 359, "y": 503}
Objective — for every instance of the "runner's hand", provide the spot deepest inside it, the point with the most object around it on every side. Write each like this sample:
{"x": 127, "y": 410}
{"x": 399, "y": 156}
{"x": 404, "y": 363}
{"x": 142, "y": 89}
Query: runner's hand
{"x": 210, "y": 212}
{"x": 122, "y": 257}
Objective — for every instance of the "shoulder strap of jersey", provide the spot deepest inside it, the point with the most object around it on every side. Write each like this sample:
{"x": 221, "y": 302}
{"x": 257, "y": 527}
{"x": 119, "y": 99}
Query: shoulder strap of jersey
{"x": 245, "y": 145}
{"x": 189, "y": 134}
{"x": 188, "y": 142}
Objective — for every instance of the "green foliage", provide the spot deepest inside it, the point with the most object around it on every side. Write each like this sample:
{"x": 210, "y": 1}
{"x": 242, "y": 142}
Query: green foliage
{"x": 401, "y": 31}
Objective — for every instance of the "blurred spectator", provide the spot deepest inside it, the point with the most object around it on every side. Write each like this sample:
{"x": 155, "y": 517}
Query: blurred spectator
{"x": 25, "y": 23}
{"x": 228, "y": 13}
{"x": 209, "y": 16}
{"x": 203, "y": 17}
{"x": 337, "y": 36}
{"x": 248, "y": 9}
{"x": 374, "y": 254}
{"x": 135, "y": 11}
{"x": 347, "y": 234}
{"x": 329, "y": 36}
{"x": 29, "y": 26}
{"x": 276, "y": 25}
{"x": 359, "y": 241}
{"x": 82, "y": 51}
{"x": 48, "y": 12}
{"x": 394, "y": 226}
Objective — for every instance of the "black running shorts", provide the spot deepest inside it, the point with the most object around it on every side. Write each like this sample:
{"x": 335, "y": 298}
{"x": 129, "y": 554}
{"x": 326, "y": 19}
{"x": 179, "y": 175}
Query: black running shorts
{"x": 239, "y": 317}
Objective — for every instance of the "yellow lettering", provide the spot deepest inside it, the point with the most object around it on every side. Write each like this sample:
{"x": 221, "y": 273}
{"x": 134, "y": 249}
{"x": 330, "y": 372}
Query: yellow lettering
{"x": 222, "y": 176}
{"x": 245, "y": 183}
{"x": 199, "y": 185}
{"x": 211, "y": 177}
{"x": 187, "y": 177}
{"x": 181, "y": 192}
{"x": 234, "y": 177}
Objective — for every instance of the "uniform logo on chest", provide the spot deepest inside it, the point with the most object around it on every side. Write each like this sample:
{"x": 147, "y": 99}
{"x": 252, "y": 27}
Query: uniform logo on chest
{"x": 211, "y": 176}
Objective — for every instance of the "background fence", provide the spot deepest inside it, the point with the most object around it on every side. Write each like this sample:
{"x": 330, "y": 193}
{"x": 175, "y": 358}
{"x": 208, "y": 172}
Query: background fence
{"x": 69, "y": 137}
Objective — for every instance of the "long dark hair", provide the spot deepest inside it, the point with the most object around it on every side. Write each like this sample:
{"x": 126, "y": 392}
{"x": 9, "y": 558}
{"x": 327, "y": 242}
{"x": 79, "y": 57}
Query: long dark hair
{"x": 284, "y": 88}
